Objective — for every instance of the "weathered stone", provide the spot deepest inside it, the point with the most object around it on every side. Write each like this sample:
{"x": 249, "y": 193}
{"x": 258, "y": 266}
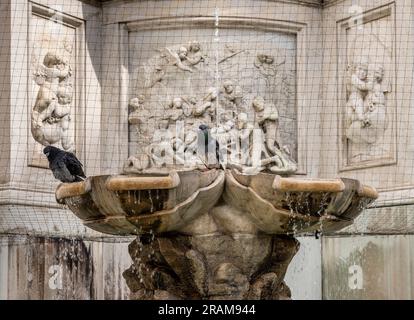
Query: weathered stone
{"x": 211, "y": 266}
{"x": 132, "y": 279}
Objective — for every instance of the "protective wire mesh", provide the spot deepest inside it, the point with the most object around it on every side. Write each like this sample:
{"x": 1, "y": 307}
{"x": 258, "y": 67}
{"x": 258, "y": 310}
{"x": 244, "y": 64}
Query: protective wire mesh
{"x": 125, "y": 86}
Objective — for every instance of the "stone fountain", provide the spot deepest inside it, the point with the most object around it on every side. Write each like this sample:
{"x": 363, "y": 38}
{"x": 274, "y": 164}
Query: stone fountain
{"x": 208, "y": 227}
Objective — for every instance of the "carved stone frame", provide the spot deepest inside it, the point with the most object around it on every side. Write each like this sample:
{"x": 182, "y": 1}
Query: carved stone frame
{"x": 78, "y": 105}
{"x": 291, "y": 27}
{"x": 342, "y": 25}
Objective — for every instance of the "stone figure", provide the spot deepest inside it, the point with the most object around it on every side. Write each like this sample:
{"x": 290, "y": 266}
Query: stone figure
{"x": 232, "y": 94}
{"x": 50, "y": 117}
{"x": 183, "y": 57}
{"x": 162, "y": 143}
{"x": 173, "y": 116}
{"x": 175, "y": 111}
{"x": 375, "y": 105}
{"x": 205, "y": 110}
{"x": 243, "y": 140}
{"x": 138, "y": 162}
{"x": 266, "y": 118}
{"x": 187, "y": 151}
{"x": 179, "y": 58}
{"x": 162, "y": 150}
{"x": 189, "y": 105}
{"x": 225, "y": 136}
{"x": 366, "y": 114}
{"x": 142, "y": 119}
{"x": 231, "y": 99}
{"x": 194, "y": 55}
{"x": 266, "y": 65}
{"x": 61, "y": 115}
{"x": 358, "y": 89}
{"x": 377, "y": 95}
{"x": 137, "y": 113}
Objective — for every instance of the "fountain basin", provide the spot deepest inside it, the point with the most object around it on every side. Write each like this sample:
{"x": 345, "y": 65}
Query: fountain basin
{"x": 136, "y": 204}
{"x": 214, "y": 234}
{"x": 280, "y": 205}
{"x": 131, "y": 204}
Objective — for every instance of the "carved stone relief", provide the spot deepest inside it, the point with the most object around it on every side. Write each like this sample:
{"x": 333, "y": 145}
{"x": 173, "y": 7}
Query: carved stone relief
{"x": 52, "y": 62}
{"x": 236, "y": 91}
{"x": 366, "y": 117}
{"x": 369, "y": 128}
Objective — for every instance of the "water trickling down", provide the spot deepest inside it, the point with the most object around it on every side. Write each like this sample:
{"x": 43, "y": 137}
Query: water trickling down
{"x": 151, "y": 201}
{"x": 217, "y": 73}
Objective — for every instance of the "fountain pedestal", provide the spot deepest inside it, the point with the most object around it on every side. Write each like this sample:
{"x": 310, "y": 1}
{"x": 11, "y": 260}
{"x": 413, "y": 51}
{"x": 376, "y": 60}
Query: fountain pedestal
{"x": 213, "y": 234}
{"x": 216, "y": 266}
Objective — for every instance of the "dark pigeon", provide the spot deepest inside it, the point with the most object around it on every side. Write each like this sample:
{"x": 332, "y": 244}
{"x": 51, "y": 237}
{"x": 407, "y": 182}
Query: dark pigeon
{"x": 206, "y": 144}
{"x": 64, "y": 165}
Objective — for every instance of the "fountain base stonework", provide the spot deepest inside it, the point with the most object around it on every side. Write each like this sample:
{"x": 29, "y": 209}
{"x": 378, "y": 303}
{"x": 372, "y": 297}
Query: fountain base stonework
{"x": 214, "y": 266}
{"x": 213, "y": 234}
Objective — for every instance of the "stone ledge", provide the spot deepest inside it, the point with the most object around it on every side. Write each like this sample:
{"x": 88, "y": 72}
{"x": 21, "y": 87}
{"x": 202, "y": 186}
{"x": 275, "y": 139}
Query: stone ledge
{"x": 313, "y": 3}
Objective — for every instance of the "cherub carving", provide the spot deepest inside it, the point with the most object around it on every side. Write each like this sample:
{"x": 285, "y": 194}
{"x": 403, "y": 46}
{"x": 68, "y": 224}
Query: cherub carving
{"x": 179, "y": 58}
{"x": 366, "y": 116}
{"x": 50, "y": 116}
{"x": 265, "y": 64}
{"x": 194, "y": 55}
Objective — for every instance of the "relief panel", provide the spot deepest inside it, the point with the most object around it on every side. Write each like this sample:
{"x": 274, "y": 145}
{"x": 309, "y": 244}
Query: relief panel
{"x": 366, "y": 47}
{"x": 229, "y": 79}
{"x": 54, "y": 90}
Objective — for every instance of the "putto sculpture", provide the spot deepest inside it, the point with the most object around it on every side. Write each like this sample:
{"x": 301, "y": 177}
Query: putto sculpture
{"x": 366, "y": 108}
{"x": 50, "y": 117}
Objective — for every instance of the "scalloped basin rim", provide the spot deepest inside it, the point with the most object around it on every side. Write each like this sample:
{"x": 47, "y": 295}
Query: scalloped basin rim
{"x": 295, "y": 184}
{"x": 142, "y": 182}
{"x": 172, "y": 180}
{"x": 319, "y": 185}
{"x": 119, "y": 183}
{"x": 166, "y": 219}
{"x": 68, "y": 190}
{"x": 307, "y": 185}
{"x": 105, "y": 203}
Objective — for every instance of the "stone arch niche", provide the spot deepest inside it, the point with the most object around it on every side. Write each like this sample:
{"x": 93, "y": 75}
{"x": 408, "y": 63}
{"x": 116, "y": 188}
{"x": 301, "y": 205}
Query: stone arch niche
{"x": 189, "y": 59}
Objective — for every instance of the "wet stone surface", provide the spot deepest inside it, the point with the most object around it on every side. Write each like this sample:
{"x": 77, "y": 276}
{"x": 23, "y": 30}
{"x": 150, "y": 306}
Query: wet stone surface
{"x": 214, "y": 266}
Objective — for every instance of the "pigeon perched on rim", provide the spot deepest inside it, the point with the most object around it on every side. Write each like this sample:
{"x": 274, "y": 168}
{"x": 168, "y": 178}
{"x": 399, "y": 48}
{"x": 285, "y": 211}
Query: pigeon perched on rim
{"x": 64, "y": 165}
{"x": 209, "y": 147}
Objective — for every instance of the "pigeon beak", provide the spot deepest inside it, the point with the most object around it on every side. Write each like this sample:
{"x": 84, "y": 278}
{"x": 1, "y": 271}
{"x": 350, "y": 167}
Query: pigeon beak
{"x": 47, "y": 154}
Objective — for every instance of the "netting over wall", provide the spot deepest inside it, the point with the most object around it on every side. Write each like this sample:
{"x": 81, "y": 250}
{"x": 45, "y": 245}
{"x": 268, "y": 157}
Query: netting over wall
{"x": 325, "y": 91}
